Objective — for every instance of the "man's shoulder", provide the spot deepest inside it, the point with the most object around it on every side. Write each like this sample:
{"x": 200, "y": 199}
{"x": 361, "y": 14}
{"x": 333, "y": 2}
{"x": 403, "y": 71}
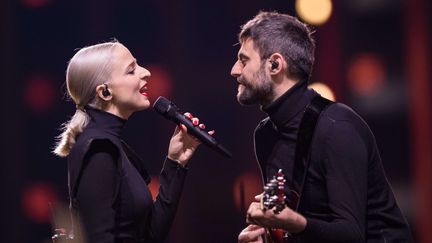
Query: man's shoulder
{"x": 339, "y": 118}
{"x": 341, "y": 112}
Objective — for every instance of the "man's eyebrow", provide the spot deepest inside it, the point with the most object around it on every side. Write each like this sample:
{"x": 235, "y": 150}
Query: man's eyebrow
{"x": 242, "y": 56}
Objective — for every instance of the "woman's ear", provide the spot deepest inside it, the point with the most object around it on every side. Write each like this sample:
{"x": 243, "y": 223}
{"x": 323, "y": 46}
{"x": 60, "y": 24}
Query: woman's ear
{"x": 103, "y": 92}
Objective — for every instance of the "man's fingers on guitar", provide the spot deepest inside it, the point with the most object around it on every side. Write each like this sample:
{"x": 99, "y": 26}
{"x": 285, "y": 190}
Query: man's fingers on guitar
{"x": 258, "y": 197}
{"x": 251, "y": 234}
{"x": 253, "y": 227}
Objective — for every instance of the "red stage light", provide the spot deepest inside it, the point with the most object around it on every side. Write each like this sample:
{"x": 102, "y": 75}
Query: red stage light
{"x": 35, "y": 3}
{"x": 39, "y": 94}
{"x": 366, "y": 74}
{"x": 36, "y": 200}
{"x": 160, "y": 83}
{"x": 154, "y": 186}
{"x": 245, "y": 188}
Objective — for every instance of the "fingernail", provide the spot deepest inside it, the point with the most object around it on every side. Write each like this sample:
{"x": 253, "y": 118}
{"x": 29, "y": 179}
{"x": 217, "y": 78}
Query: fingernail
{"x": 202, "y": 126}
{"x": 182, "y": 127}
{"x": 195, "y": 121}
{"x": 188, "y": 115}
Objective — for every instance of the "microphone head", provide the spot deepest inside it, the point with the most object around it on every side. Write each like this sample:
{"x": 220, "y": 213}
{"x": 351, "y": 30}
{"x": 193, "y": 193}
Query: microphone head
{"x": 165, "y": 107}
{"x": 162, "y": 104}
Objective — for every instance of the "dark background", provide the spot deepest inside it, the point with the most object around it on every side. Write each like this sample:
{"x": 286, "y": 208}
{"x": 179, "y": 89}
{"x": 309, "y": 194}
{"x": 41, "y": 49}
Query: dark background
{"x": 189, "y": 46}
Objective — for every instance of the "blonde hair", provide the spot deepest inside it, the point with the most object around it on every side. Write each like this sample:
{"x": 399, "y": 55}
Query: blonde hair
{"x": 88, "y": 68}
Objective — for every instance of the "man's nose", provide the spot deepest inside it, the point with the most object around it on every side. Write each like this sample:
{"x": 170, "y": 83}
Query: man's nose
{"x": 235, "y": 70}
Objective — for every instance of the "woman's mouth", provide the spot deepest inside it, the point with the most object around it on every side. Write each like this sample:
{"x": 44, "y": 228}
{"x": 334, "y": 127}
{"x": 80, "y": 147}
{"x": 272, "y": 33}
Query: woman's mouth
{"x": 143, "y": 90}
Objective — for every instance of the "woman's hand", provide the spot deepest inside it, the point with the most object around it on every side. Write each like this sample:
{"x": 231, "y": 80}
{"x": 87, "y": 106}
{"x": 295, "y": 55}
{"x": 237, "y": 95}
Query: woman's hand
{"x": 183, "y": 145}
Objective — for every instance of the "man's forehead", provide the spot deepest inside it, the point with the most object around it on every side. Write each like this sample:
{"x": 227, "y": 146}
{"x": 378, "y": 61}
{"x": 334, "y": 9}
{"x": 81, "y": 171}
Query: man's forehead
{"x": 247, "y": 47}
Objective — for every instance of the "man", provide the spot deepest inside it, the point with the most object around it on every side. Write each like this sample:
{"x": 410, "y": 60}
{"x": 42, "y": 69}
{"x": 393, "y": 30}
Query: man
{"x": 345, "y": 196}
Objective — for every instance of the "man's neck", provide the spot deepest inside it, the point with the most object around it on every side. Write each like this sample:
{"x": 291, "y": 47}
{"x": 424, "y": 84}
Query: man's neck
{"x": 282, "y": 87}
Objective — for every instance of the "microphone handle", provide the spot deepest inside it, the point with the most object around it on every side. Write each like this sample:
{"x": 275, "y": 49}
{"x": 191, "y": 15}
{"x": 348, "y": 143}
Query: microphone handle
{"x": 201, "y": 135}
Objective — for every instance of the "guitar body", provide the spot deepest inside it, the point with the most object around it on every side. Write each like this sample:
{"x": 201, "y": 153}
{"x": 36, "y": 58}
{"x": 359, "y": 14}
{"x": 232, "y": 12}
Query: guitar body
{"x": 275, "y": 236}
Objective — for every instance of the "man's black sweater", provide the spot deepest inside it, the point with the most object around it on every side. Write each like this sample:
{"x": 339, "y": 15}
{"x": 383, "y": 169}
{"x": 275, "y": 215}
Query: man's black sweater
{"x": 346, "y": 196}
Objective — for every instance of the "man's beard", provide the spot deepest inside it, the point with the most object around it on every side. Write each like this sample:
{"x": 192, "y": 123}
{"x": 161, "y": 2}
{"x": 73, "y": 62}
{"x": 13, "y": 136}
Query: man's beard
{"x": 258, "y": 92}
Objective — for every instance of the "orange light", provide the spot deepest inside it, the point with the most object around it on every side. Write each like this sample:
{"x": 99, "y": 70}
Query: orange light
{"x": 245, "y": 188}
{"x": 324, "y": 90}
{"x": 315, "y": 12}
{"x": 366, "y": 74}
{"x": 154, "y": 186}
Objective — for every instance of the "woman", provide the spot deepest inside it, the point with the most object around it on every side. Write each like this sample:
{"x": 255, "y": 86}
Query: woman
{"x": 107, "y": 180}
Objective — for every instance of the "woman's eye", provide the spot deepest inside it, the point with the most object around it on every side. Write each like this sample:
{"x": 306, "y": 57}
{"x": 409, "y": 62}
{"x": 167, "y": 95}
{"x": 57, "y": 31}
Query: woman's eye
{"x": 132, "y": 71}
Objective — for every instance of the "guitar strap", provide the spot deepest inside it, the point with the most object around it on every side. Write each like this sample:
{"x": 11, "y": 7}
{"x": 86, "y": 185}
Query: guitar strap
{"x": 304, "y": 139}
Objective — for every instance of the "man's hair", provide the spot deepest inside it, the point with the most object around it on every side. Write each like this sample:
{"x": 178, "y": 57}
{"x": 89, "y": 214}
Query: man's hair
{"x": 273, "y": 32}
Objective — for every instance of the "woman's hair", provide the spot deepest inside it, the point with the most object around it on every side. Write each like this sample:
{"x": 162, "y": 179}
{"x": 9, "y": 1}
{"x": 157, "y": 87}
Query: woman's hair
{"x": 88, "y": 68}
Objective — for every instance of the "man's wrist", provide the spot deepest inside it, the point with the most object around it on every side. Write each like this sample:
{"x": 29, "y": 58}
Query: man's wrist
{"x": 297, "y": 225}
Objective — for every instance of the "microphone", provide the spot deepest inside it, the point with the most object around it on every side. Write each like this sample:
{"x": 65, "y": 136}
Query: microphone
{"x": 171, "y": 112}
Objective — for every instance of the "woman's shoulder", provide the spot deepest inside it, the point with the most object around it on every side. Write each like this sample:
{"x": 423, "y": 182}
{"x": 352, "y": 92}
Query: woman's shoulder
{"x": 87, "y": 146}
{"x": 95, "y": 141}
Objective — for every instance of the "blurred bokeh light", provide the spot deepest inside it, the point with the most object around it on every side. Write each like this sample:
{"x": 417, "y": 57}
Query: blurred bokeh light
{"x": 36, "y": 201}
{"x": 154, "y": 186}
{"x": 246, "y": 186}
{"x": 36, "y": 3}
{"x": 315, "y": 12}
{"x": 160, "y": 82}
{"x": 366, "y": 73}
{"x": 39, "y": 93}
{"x": 324, "y": 90}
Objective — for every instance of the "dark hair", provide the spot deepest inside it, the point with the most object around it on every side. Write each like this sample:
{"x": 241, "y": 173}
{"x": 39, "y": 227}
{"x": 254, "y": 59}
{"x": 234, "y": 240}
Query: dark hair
{"x": 273, "y": 32}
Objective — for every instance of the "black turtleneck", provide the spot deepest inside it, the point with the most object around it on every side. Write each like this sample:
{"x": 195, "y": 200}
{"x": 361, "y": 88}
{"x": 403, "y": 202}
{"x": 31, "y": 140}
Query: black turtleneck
{"x": 108, "y": 185}
{"x": 105, "y": 121}
{"x": 285, "y": 113}
{"x": 346, "y": 196}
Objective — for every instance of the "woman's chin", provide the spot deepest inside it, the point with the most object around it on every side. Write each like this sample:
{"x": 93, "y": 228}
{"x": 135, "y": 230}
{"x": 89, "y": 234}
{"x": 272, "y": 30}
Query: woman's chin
{"x": 145, "y": 105}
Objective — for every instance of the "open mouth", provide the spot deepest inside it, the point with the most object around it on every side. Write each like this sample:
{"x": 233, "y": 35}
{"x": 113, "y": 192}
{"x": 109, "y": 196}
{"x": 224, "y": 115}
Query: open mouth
{"x": 143, "y": 90}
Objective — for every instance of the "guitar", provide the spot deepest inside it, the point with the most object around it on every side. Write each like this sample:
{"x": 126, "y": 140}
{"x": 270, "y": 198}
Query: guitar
{"x": 274, "y": 198}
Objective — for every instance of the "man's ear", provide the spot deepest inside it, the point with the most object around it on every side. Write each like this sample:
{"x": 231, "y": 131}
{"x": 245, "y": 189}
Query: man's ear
{"x": 276, "y": 63}
{"x": 103, "y": 92}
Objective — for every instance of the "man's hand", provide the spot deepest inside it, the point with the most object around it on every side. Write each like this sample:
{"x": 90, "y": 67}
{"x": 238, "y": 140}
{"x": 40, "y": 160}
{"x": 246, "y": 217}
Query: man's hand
{"x": 251, "y": 234}
{"x": 287, "y": 219}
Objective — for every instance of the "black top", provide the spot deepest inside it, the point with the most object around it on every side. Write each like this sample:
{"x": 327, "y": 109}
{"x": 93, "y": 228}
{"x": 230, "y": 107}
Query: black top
{"x": 346, "y": 196}
{"x": 108, "y": 185}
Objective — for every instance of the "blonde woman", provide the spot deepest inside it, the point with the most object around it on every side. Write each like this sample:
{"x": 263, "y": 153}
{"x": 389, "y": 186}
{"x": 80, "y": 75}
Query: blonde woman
{"x": 107, "y": 180}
